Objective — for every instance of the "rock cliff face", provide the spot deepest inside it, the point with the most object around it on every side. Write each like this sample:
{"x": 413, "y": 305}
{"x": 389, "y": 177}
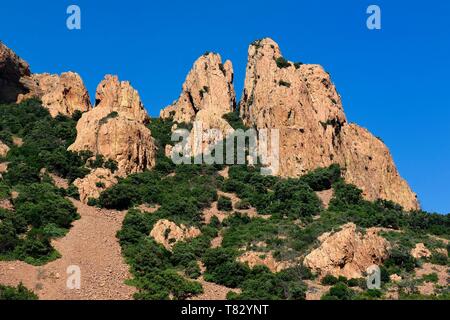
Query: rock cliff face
{"x": 12, "y": 69}
{"x": 302, "y": 102}
{"x": 116, "y": 129}
{"x": 59, "y": 94}
{"x": 120, "y": 96}
{"x": 208, "y": 86}
{"x": 207, "y": 95}
{"x": 63, "y": 94}
{"x": 347, "y": 252}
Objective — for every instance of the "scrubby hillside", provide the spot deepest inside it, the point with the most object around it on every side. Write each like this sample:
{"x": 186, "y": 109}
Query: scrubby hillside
{"x": 205, "y": 231}
{"x": 257, "y": 243}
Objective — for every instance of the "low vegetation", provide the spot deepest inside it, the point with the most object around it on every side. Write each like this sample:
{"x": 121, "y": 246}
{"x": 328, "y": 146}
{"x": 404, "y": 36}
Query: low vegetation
{"x": 16, "y": 293}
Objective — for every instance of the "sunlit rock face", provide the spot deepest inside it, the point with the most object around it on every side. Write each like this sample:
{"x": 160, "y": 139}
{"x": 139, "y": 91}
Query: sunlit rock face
{"x": 116, "y": 128}
{"x": 302, "y": 103}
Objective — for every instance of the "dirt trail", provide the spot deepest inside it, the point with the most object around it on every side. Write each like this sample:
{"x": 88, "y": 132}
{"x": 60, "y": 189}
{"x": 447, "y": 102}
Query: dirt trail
{"x": 90, "y": 244}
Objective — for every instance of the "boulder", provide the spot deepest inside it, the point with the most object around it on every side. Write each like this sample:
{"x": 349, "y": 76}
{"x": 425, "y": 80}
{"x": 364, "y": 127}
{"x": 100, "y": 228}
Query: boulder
{"x": 420, "y": 251}
{"x": 168, "y": 233}
{"x": 347, "y": 252}
{"x": 4, "y": 149}
{"x": 92, "y": 185}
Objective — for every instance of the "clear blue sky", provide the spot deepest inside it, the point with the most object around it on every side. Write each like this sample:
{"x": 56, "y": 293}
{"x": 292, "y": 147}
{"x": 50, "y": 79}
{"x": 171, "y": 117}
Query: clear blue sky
{"x": 393, "y": 81}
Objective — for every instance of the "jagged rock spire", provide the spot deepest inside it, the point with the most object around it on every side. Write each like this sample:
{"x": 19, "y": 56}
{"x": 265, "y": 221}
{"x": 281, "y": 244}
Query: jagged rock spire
{"x": 302, "y": 102}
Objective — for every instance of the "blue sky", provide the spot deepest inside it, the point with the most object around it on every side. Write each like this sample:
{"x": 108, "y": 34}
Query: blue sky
{"x": 393, "y": 81}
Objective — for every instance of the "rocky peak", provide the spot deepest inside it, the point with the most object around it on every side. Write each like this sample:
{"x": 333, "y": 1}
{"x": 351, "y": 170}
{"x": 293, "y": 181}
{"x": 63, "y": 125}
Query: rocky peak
{"x": 208, "y": 86}
{"x": 12, "y": 69}
{"x": 116, "y": 128}
{"x": 121, "y": 97}
{"x": 59, "y": 94}
{"x": 301, "y": 101}
{"x": 208, "y": 94}
{"x": 63, "y": 94}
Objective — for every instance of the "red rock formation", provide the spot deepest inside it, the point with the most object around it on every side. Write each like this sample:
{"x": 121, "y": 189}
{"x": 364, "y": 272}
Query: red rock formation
{"x": 302, "y": 103}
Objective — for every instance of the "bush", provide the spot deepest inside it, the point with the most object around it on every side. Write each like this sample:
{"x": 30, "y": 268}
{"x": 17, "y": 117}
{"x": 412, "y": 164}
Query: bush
{"x": 224, "y": 204}
{"x": 18, "y": 293}
{"x": 345, "y": 196}
{"x": 40, "y": 204}
{"x": 399, "y": 259}
{"x": 222, "y": 268}
{"x": 323, "y": 178}
{"x": 243, "y": 205}
{"x": 329, "y": 280}
{"x": 235, "y": 120}
{"x": 439, "y": 258}
{"x": 339, "y": 292}
{"x": 45, "y": 143}
{"x": 432, "y": 277}
{"x": 282, "y": 63}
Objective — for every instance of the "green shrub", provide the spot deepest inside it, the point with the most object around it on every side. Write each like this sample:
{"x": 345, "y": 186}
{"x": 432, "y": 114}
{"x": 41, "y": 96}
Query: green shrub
{"x": 284, "y": 84}
{"x": 329, "y": 280}
{"x": 323, "y": 178}
{"x": 40, "y": 204}
{"x": 100, "y": 185}
{"x": 16, "y": 293}
{"x": 345, "y": 196}
{"x": 432, "y": 277}
{"x": 222, "y": 268}
{"x": 224, "y": 204}
{"x": 339, "y": 292}
{"x": 243, "y": 205}
{"x": 282, "y": 63}
{"x": 73, "y": 192}
{"x": 399, "y": 259}
{"x": 439, "y": 258}
{"x": 4, "y": 190}
{"x": 235, "y": 120}
{"x": 92, "y": 202}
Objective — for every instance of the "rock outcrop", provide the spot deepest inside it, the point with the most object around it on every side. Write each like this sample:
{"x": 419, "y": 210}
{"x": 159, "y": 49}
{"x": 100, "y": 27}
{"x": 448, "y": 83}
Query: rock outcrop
{"x": 169, "y": 233}
{"x": 348, "y": 252}
{"x": 208, "y": 86}
{"x": 12, "y": 69}
{"x": 302, "y": 103}
{"x": 59, "y": 94}
{"x": 63, "y": 94}
{"x": 207, "y": 95}
{"x": 253, "y": 259}
{"x": 120, "y": 96}
{"x": 116, "y": 129}
{"x": 420, "y": 251}
{"x": 4, "y": 149}
{"x": 94, "y": 183}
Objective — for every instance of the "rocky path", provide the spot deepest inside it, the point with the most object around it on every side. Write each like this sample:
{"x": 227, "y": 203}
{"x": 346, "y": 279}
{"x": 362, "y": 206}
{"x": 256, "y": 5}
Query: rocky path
{"x": 91, "y": 244}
